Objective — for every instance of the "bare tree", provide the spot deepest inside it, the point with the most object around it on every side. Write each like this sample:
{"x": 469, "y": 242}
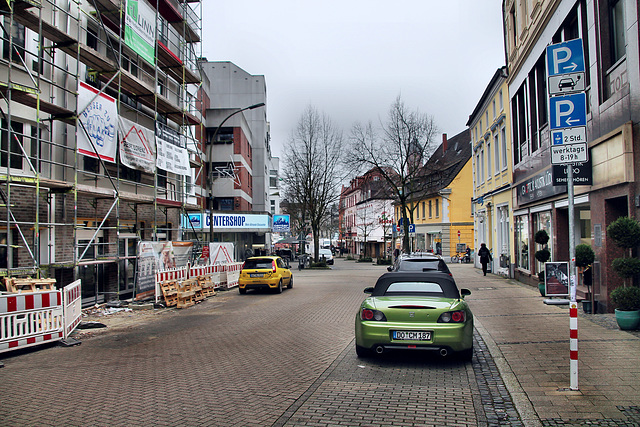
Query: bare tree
{"x": 398, "y": 151}
{"x": 311, "y": 175}
{"x": 365, "y": 223}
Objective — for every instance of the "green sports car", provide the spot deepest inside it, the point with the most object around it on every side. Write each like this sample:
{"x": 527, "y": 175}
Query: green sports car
{"x": 415, "y": 311}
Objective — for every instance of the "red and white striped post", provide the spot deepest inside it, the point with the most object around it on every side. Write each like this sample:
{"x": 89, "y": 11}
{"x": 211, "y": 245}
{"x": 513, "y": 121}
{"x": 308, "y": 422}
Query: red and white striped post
{"x": 573, "y": 344}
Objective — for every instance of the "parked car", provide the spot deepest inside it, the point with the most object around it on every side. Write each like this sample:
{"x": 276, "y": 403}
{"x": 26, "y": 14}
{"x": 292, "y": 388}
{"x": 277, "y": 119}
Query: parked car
{"x": 414, "y": 312}
{"x": 420, "y": 261}
{"x": 326, "y": 254}
{"x": 265, "y": 272}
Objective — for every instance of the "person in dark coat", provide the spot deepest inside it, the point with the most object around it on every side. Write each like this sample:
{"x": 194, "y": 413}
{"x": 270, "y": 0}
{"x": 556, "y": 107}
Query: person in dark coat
{"x": 485, "y": 257}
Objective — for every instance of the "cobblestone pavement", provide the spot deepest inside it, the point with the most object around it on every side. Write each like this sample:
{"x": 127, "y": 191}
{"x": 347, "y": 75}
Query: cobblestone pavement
{"x": 529, "y": 342}
{"x": 289, "y": 360}
{"x": 253, "y": 360}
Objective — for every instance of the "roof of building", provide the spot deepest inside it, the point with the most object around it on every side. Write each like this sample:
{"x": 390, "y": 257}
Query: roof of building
{"x": 446, "y": 163}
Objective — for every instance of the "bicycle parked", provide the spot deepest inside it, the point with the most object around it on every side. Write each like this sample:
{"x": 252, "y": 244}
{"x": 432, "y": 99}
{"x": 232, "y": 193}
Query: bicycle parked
{"x": 461, "y": 257}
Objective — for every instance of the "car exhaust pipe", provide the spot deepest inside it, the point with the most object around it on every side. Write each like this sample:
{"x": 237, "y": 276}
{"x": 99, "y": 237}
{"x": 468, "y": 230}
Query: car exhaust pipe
{"x": 379, "y": 349}
{"x": 443, "y": 352}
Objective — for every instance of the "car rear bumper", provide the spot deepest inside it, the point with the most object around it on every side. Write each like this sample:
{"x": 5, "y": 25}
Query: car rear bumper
{"x": 453, "y": 337}
{"x": 258, "y": 284}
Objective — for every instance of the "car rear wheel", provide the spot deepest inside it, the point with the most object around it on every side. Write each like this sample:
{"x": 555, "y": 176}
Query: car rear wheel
{"x": 290, "y": 285}
{"x": 362, "y": 352}
{"x": 466, "y": 355}
{"x": 279, "y": 288}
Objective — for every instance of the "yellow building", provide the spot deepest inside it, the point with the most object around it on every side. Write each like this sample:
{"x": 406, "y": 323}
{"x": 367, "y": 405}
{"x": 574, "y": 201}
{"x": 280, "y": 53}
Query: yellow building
{"x": 492, "y": 173}
{"x": 442, "y": 213}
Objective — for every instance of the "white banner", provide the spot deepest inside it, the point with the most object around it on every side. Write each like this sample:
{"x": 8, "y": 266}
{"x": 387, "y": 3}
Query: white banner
{"x": 137, "y": 146}
{"x": 172, "y": 155}
{"x": 100, "y": 118}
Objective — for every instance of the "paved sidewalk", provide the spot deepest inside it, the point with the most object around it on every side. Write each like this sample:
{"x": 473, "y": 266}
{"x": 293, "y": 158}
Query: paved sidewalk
{"x": 529, "y": 341}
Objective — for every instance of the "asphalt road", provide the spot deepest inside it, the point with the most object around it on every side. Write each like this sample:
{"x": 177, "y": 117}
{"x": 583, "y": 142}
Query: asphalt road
{"x": 258, "y": 359}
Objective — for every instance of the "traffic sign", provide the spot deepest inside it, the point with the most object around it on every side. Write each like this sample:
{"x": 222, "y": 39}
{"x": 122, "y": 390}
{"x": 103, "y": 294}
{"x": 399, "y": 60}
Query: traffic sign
{"x": 566, "y": 83}
{"x": 569, "y": 135}
{"x": 568, "y": 111}
{"x": 412, "y": 228}
{"x": 565, "y": 58}
{"x": 569, "y": 153}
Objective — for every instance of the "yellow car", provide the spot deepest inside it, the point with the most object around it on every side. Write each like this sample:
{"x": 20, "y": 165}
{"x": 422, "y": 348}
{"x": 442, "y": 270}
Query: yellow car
{"x": 265, "y": 272}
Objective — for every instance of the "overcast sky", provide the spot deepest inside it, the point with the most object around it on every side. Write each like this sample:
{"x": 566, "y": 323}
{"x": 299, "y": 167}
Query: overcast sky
{"x": 350, "y": 59}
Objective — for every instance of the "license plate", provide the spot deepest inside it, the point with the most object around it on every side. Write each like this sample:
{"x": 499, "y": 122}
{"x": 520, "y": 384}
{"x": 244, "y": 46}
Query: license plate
{"x": 412, "y": 335}
{"x": 256, "y": 274}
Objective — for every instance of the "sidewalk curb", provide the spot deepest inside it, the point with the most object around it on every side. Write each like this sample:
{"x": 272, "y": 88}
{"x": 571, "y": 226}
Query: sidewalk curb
{"x": 522, "y": 403}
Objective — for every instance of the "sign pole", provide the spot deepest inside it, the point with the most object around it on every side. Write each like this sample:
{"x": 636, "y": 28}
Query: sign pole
{"x": 573, "y": 305}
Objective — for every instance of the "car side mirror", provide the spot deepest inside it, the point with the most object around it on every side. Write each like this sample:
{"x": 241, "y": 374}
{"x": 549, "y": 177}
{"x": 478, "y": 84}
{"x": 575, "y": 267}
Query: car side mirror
{"x": 390, "y": 268}
{"x": 368, "y": 290}
{"x": 465, "y": 292}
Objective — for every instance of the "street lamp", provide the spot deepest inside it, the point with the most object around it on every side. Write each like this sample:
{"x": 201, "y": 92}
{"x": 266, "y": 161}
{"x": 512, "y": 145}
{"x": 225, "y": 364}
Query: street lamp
{"x": 213, "y": 138}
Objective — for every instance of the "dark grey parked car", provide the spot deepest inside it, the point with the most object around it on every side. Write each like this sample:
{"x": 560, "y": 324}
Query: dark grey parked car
{"x": 420, "y": 262}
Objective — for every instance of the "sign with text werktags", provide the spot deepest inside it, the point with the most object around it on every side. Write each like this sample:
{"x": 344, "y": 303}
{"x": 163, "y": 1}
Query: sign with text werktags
{"x": 99, "y": 116}
{"x": 140, "y": 29}
{"x": 137, "y": 146}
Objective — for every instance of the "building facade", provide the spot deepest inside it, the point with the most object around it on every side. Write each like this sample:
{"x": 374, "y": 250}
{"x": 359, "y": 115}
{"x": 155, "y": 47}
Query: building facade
{"x": 442, "y": 214}
{"x": 99, "y": 137}
{"x": 609, "y": 34}
{"x": 239, "y": 161}
{"x": 492, "y": 173}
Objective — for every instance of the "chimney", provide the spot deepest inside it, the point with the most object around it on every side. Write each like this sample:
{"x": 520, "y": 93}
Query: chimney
{"x": 444, "y": 143}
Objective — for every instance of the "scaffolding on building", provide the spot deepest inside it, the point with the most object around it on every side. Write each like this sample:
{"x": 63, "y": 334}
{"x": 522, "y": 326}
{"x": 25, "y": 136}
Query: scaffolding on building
{"x": 69, "y": 215}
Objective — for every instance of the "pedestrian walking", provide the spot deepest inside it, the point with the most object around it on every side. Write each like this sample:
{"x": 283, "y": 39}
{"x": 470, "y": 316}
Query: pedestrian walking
{"x": 485, "y": 257}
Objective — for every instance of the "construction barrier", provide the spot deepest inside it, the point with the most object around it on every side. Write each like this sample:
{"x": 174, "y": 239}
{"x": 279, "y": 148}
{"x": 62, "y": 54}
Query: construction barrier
{"x": 233, "y": 274}
{"x": 29, "y": 319}
{"x": 72, "y": 298}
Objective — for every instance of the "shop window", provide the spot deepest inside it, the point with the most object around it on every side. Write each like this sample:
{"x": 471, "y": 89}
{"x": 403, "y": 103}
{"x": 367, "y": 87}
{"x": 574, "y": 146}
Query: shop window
{"x": 522, "y": 242}
{"x": 542, "y": 221}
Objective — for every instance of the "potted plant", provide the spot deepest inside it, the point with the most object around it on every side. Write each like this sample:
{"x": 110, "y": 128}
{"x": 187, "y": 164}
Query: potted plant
{"x": 584, "y": 258}
{"x": 542, "y": 238}
{"x": 627, "y": 301}
{"x": 625, "y": 232}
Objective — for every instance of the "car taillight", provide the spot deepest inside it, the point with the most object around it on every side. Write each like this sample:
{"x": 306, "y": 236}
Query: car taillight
{"x": 453, "y": 317}
{"x": 368, "y": 314}
{"x": 273, "y": 266}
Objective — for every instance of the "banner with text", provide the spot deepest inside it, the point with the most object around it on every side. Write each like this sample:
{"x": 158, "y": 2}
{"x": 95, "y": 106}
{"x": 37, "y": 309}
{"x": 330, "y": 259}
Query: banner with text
{"x": 137, "y": 146}
{"x": 172, "y": 154}
{"x": 99, "y": 116}
{"x": 140, "y": 29}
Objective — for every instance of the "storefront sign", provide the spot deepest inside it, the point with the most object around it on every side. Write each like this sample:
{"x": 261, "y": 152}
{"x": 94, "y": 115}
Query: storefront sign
{"x": 192, "y": 221}
{"x": 238, "y": 221}
{"x": 582, "y": 174}
{"x": 281, "y": 223}
{"x": 556, "y": 279}
{"x": 537, "y": 188}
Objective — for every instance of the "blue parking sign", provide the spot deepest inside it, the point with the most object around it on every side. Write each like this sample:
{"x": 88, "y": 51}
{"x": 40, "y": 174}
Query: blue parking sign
{"x": 564, "y": 58}
{"x": 568, "y": 111}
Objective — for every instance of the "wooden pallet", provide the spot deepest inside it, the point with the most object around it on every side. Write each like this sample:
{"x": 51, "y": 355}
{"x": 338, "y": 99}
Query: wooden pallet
{"x": 16, "y": 285}
{"x": 170, "y": 292}
{"x": 186, "y": 293}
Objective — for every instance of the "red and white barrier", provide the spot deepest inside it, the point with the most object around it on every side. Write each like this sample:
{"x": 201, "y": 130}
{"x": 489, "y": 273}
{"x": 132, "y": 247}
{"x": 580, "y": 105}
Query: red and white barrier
{"x": 72, "y": 297}
{"x": 573, "y": 344}
{"x": 30, "y": 319}
{"x": 233, "y": 274}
